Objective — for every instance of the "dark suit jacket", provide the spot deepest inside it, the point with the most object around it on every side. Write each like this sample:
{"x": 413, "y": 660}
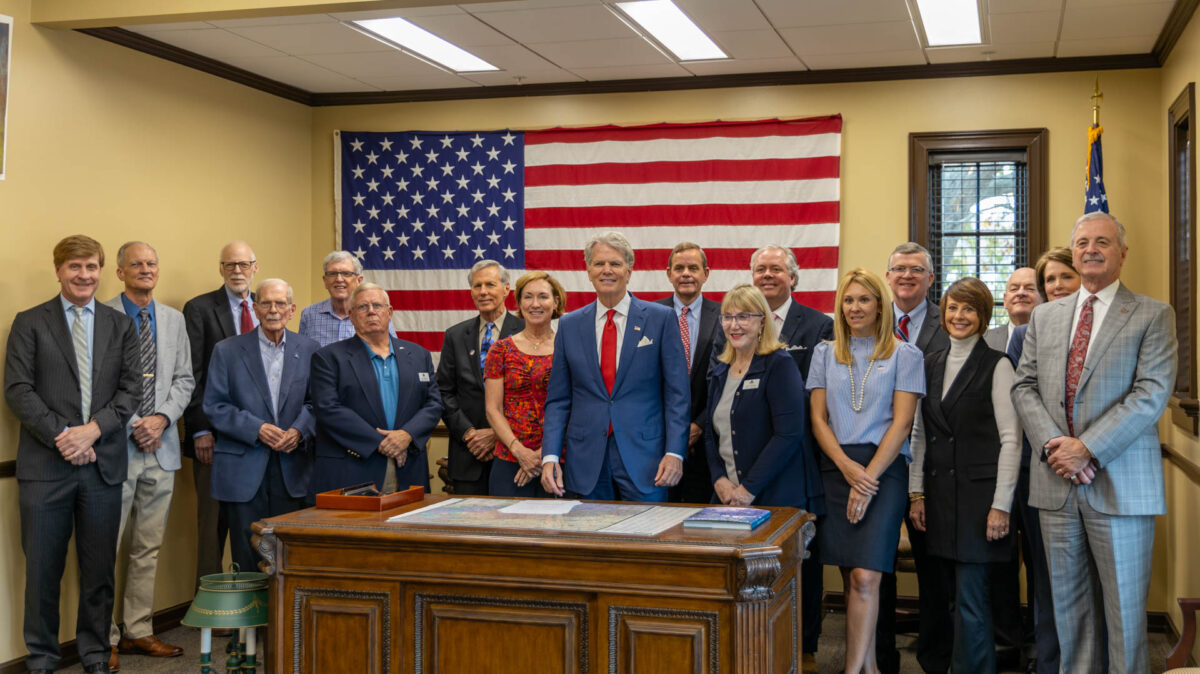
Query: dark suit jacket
{"x": 769, "y": 423}
{"x": 208, "y": 321}
{"x": 41, "y": 384}
{"x": 804, "y": 328}
{"x": 346, "y": 400}
{"x": 237, "y": 401}
{"x": 461, "y": 383}
{"x": 709, "y": 342}
{"x": 932, "y": 337}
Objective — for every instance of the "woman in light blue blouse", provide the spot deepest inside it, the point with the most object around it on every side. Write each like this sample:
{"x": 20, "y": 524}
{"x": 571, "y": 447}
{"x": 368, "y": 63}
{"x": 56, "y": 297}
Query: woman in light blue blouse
{"x": 865, "y": 387}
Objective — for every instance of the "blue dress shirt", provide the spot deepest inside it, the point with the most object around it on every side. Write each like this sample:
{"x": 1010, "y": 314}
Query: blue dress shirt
{"x": 132, "y": 310}
{"x": 235, "y": 307}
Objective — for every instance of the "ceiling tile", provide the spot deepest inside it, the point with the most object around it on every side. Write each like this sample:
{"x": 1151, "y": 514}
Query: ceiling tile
{"x": 1020, "y": 50}
{"x": 416, "y": 82}
{"x": 1081, "y": 23}
{"x": 714, "y": 15}
{"x": 159, "y": 27}
{"x": 480, "y": 7}
{"x": 1024, "y": 27}
{"x": 463, "y": 30}
{"x": 851, "y": 38}
{"x": 391, "y": 63}
{"x": 739, "y": 66}
{"x": 752, "y": 44}
{"x": 600, "y": 53}
{"x": 313, "y": 38}
{"x": 904, "y": 57}
{"x": 1012, "y": 6}
{"x": 300, "y": 73}
{"x": 794, "y": 13}
{"x": 216, "y": 43}
{"x": 527, "y": 77}
{"x": 406, "y": 12}
{"x": 558, "y": 24}
{"x": 631, "y": 72}
{"x": 1082, "y": 4}
{"x": 1113, "y": 45}
{"x": 512, "y": 57}
{"x": 273, "y": 21}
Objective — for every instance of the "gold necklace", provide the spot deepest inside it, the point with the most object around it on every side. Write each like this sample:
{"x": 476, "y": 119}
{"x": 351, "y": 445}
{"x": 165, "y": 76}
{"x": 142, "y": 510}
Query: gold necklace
{"x": 862, "y": 391}
{"x": 536, "y": 345}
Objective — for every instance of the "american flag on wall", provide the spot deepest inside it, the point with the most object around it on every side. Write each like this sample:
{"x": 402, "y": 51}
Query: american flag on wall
{"x": 419, "y": 208}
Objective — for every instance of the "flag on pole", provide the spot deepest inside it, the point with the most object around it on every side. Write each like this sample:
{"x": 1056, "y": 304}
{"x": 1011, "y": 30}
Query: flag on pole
{"x": 1094, "y": 197}
{"x": 419, "y": 208}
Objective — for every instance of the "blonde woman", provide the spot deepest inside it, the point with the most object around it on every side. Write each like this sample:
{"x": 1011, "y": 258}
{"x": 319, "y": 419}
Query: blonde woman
{"x": 756, "y": 410}
{"x": 865, "y": 387}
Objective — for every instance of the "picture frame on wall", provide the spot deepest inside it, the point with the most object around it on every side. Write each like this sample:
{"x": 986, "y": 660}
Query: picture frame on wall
{"x": 6, "y": 25}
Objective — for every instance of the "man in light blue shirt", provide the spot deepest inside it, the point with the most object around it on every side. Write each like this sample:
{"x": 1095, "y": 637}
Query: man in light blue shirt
{"x": 328, "y": 321}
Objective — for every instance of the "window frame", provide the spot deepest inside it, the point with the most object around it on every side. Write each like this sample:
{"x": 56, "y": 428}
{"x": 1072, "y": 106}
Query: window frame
{"x": 1185, "y": 409}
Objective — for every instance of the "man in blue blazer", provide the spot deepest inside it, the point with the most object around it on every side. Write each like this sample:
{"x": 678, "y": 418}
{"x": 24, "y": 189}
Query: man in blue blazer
{"x": 257, "y": 400}
{"x": 377, "y": 401}
{"x": 619, "y": 395}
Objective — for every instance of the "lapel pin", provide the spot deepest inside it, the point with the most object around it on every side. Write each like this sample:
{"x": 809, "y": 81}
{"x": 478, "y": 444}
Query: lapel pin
{"x": 637, "y": 327}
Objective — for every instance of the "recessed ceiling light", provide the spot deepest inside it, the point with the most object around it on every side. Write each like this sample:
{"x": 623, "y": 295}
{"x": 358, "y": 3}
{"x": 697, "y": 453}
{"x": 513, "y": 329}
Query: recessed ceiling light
{"x": 673, "y": 29}
{"x": 950, "y": 22}
{"x": 412, "y": 37}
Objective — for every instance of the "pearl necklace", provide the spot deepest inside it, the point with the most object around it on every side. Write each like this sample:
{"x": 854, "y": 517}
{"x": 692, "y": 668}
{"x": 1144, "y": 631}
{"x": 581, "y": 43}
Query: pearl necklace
{"x": 862, "y": 391}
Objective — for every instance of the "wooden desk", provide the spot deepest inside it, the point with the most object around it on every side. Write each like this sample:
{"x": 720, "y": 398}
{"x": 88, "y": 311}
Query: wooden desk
{"x": 352, "y": 593}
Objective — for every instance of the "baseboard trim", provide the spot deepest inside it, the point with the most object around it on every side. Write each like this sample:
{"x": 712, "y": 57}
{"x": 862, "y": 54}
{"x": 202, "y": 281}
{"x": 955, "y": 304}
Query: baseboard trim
{"x": 164, "y": 620}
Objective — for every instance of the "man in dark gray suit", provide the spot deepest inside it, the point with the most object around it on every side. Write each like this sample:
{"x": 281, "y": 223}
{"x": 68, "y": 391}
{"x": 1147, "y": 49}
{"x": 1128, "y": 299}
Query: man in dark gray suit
{"x": 700, "y": 329}
{"x": 71, "y": 378}
{"x": 460, "y": 377}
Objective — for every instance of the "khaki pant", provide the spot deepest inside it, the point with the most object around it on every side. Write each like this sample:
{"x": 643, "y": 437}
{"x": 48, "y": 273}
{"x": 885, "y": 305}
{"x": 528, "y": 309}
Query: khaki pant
{"x": 145, "y": 502}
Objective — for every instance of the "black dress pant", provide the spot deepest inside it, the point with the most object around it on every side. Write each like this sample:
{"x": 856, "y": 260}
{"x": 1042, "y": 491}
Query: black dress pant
{"x": 50, "y": 511}
{"x": 271, "y": 499}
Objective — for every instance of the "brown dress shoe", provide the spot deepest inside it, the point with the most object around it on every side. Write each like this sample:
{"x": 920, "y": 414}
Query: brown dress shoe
{"x": 149, "y": 646}
{"x": 114, "y": 662}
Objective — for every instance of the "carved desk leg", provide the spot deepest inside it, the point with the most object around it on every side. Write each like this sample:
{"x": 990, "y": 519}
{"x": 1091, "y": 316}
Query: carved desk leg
{"x": 752, "y": 634}
{"x": 268, "y": 547}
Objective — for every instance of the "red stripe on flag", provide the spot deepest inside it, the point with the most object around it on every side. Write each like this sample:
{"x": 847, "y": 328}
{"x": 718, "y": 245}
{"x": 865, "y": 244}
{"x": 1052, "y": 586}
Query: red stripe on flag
{"x": 804, "y": 127}
{"x": 655, "y": 259}
{"x": 682, "y": 171}
{"x": 431, "y": 341}
{"x": 817, "y": 212}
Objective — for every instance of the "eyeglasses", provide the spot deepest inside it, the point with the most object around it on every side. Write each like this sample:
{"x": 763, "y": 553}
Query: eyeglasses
{"x": 239, "y": 266}
{"x": 271, "y": 306}
{"x": 341, "y": 274}
{"x": 905, "y": 271}
{"x": 374, "y": 307}
{"x": 739, "y": 319}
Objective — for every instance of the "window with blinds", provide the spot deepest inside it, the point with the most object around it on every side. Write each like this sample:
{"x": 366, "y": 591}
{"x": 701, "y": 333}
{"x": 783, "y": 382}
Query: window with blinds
{"x": 978, "y": 220}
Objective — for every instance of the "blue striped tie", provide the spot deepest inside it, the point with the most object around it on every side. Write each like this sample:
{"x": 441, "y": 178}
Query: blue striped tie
{"x": 485, "y": 346}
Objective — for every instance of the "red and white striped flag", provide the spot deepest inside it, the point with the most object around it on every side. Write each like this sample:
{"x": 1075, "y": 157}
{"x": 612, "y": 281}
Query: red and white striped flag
{"x": 418, "y": 208}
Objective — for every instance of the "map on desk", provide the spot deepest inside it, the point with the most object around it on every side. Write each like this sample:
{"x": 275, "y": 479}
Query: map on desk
{"x": 549, "y": 515}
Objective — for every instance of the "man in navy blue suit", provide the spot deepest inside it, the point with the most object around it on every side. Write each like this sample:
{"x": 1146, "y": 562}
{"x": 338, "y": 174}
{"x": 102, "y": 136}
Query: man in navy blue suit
{"x": 257, "y": 401}
{"x": 618, "y": 406}
{"x": 377, "y": 401}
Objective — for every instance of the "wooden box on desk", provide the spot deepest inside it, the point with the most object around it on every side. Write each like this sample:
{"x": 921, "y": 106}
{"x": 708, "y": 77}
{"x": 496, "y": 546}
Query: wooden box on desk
{"x": 336, "y": 500}
{"x": 352, "y": 592}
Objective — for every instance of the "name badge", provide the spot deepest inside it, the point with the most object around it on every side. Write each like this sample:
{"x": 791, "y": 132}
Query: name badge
{"x": 749, "y": 384}
{"x": 423, "y": 376}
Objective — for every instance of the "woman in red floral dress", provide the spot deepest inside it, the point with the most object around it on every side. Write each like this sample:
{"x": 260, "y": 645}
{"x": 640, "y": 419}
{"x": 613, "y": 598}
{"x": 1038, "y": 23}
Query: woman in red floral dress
{"x": 516, "y": 376}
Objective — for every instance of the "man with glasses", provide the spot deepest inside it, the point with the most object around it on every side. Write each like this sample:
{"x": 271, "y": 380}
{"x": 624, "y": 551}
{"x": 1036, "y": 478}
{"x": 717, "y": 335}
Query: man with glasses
{"x": 917, "y": 320}
{"x": 328, "y": 321}
{"x": 257, "y": 400}
{"x": 209, "y": 318}
{"x": 376, "y": 400}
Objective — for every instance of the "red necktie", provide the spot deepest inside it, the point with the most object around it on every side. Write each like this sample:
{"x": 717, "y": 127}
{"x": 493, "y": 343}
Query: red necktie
{"x": 247, "y": 322}
{"x": 687, "y": 338}
{"x": 608, "y": 352}
{"x": 902, "y": 328}
{"x": 1076, "y": 356}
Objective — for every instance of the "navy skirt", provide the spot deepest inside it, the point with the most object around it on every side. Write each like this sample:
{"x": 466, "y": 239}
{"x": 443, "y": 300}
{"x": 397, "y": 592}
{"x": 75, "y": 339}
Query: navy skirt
{"x": 870, "y": 544}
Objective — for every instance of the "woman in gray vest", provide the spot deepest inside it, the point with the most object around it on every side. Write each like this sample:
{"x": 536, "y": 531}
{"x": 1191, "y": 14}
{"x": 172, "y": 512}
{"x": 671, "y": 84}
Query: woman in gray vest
{"x": 966, "y": 455}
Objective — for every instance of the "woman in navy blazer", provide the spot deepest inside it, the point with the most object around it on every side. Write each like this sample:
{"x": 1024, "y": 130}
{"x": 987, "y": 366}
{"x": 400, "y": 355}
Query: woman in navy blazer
{"x": 757, "y": 413}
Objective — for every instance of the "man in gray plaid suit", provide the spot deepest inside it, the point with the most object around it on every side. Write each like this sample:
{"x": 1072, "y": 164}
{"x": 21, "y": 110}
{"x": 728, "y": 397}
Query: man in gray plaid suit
{"x": 1094, "y": 379}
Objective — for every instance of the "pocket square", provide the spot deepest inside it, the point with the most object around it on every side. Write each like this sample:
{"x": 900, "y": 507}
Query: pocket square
{"x": 645, "y": 341}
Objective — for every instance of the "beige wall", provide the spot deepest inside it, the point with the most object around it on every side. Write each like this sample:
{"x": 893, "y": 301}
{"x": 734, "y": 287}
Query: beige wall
{"x": 119, "y": 145}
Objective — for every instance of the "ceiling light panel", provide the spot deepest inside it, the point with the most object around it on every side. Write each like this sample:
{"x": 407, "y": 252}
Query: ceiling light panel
{"x": 413, "y": 38}
{"x": 950, "y": 22}
{"x": 672, "y": 29}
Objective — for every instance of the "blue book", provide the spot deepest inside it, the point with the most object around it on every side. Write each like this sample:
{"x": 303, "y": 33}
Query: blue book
{"x": 725, "y": 517}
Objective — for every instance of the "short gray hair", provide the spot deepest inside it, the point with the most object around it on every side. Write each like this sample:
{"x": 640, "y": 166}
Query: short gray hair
{"x": 793, "y": 266}
{"x": 614, "y": 240}
{"x": 911, "y": 248}
{"x": 275, "y": 282}
{"x": 364, "y": 287}
{"x": 1086, "y": 217}
{"x": 341, "y": 256}
{"x": 129, "y": 244}
{"x": 484, "y": 264}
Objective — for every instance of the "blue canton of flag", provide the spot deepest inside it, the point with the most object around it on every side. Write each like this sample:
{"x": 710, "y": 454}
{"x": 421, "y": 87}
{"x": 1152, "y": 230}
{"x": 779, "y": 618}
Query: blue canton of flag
{"x": 432, "y": 200}
{"x": 1094, "y": 197}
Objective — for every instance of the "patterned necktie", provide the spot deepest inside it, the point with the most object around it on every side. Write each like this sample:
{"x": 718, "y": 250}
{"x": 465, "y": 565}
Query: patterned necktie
{"x": 83, "y": 362}
{"x": 902, "y": 328}
{"x": 486, "y": 345}
{"x": 687, "y": 338}
{"x": 608, "y": 352}
{"x": 1076, "y": 357}
{"x": 247, "y": 322}
{"x": 149, "y": 356}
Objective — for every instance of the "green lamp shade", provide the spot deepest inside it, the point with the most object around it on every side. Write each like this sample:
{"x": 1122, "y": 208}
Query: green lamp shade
{"x": 229, "y": 600}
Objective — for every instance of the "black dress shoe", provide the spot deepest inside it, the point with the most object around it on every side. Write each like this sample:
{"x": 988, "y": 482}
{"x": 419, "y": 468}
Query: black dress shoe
{"x": 1031, "y": 666}
{"x": 41, "y": 671}
{"x": 97, "y": 668}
